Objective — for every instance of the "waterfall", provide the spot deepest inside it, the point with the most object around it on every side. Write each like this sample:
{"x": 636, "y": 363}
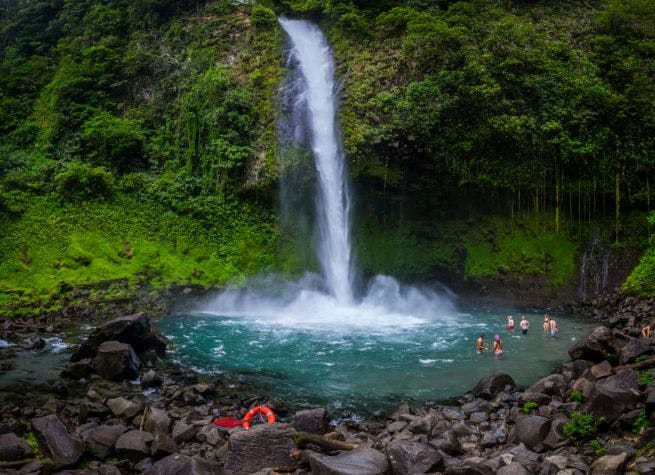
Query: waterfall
{"x": 594, "y": 268}
{"x": 312, "y": 54}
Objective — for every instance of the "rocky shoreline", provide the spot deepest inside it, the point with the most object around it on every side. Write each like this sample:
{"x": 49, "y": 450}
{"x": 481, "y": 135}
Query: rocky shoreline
{"x": 120, "y": 408}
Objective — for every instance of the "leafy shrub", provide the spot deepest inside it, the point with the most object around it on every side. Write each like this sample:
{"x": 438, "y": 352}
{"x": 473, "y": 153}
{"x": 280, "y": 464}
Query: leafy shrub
{"x": 80, "y": 181}
{"x": 598, "y": 447}
{"x": 640, "y": 423}
{"x": 581, "y": 426}
{"x": 645, "y": 378}
{"x": 529, "y": 406}
{"x": 576, "y": 395}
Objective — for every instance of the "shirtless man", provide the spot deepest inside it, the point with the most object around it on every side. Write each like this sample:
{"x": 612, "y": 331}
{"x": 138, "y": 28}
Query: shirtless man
{"x": 479, "y": 344}
{"x": 546, "y": 322}
{"x": 498, "y": 346}
{"x": 524, "y": 325}
{"x": 510, "y": 322}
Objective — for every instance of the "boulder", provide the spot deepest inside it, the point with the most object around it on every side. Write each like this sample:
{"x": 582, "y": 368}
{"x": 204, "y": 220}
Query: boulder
{"x": 53, "y": 435}
{"x": 360, "y": 461}
{"x": 490, "y": 386}
{"x": 183, "y": 431}
{"x": 412, "y": 457}
{"x": 612, "y": 396}
{"x": 600, "y": 370}
{"x": 163, "y": 445}
{"x": 133, "y": 330}
{"x": 156, "y": 420}
{"x": 77, "y": 370}
{"x": 556, "y": 437}
{"x": 116, "y": 360}
{"x": 123, "y": 408}
{"x": 13, "y": 448}
{"x": 150, "y": 379}
{"x": 514, "y": 468}
{"x": 311, "y": 420}
{"x": 553, "y": 385}
{"x": 179, "y": 464}
{"x": 650, "y": 401}
{"x": 101, "y": 439}
{"x": 610, "y": 465}
{"x": 266, "y": 445}
{"x": 597, "y": 345}
{"x": 531, "y": 431}
{"x": 134, "y": 445}
{"x": 634, "y": 348}
{"x": 32, "y": 343}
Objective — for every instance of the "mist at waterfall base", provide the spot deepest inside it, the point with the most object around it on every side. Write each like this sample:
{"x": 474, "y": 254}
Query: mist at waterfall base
{"x": 320, "y": 341}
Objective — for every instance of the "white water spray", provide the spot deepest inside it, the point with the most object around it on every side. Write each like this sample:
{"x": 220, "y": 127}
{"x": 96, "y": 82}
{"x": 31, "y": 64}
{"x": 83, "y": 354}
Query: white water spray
{"x": 312, "y": 52}
{"x": 387, "y": 305}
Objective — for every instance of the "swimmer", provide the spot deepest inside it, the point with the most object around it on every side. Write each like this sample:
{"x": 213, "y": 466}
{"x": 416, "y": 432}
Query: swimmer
{"x": 645, "y": 331}
{"x": 510, "y": 322}
{"x": 524, "y": 325}
{"x": 546, "y": 322}
{"x": 553, "y": 327}
{"x": 498, "y": 346}
{"x": 479, "y": 344}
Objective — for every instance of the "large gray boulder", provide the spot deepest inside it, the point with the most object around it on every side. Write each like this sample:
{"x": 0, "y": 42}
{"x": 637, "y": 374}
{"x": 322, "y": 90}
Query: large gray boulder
{"x": 513, "y": 468}
{"x": 179, "y": 464}
{"x": 123, "y": 408}
{"x": 133, "y": 445}
{"x": 612, "y": 396}
{"x": 531, "y": 431}
{"x": 53, "y": 435}
{"x": 359, "y": 461}
{"x": 133, "y": 330}
{"x": 408, "y": 457}
{"x": 553, "y": 385}
{"x": 490, "y": 386}
{"x": 633, "y": 349}
{"x": 156, "y": 420}
{"x": 101, "y": 439}
{"x": 13, "y": 448}
{"x": 263, "y": 446}
{"x": 116, "y": 360}
{"x": 597, "y": 345}
{"x": 311, "y": 420}
{"x": 610, "y": 464}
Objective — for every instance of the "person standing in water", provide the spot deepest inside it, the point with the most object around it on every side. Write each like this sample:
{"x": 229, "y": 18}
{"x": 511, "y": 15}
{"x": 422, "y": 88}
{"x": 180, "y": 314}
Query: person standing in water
{"x": 498, "y": 346}
{"x": 552, "y": 324}
{"x": 546, "y": 322}
{"x": 510, "y": 322}
{"x": 479, "y": 344}
{"x": 524, "y": 325}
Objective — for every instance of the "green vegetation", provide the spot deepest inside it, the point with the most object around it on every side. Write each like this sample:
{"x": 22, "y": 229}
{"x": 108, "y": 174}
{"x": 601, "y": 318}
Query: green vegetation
{"x": 576, "y": 395}
{"x": 581, "y": 426}
{"x": 640, "y": 423}
{"x": 645, "y": 378}
{"x": 34, "y": 444}
{"x": 529, "y": 406}
{"x": 598, "y": 448}
{"x": 484, "y": 138}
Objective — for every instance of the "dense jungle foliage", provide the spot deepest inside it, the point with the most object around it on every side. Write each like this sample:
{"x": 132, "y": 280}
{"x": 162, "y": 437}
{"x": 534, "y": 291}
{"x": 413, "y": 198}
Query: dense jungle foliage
{"x": 138, "y": 137}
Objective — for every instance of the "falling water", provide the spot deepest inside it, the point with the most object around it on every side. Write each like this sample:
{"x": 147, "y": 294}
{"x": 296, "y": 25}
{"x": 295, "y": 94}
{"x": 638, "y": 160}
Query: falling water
{"x": 312, "y": 53}
{"x": 594, "y": 268}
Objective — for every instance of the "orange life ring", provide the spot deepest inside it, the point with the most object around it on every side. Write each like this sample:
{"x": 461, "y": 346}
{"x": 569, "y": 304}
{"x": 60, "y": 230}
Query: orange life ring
{"x": 270, "y": 417}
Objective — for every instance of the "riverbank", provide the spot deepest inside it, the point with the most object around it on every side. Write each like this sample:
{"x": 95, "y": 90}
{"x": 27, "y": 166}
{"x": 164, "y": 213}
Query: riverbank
{"x": 592, "y": 416}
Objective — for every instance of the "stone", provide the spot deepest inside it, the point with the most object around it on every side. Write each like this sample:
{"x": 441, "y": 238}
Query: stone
{"x": 609, "y": 465}
{"x": 597, "y": 345}
{"x": 412, "y": 457}
{"x": 134, "y": 445}
{"x": 179, "y": 464}
{"x": 183, "y": 431}
{"x": 77, "y": 370}
{"x": 133, "y": 330}
{"x": 123, "y": 408}
{"x": 531, "y": 431}
{"x": 359, "y": 461}
{"x": 650, "y": 401}
{"x": 101, "y": 439}
{"x": 513, "y": 468}
{"x": 601, "y": 370}
{"x": 150, "y": 379}
{"x": 311, "y": 420}
{"x": 554, "y": 384}
{"x": 612, "y": 396}
{"x": 397, "y": 426}
{"x": 556, "y": 437}
{"x": 265, "y": 445}
{"x": 116, "y": 360}
{"x": 633, "y": 349}
{"x": 539, "y": 398}
{"x": 479, "y": 417}
{"x": 490, "y": 386}
{"x": 32, "y": 343}
{"x": 53, "y": 435}
{"x": 163, "y": 445}
{"x": 156, "y": 420}
{"x": 13, "y": 448}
